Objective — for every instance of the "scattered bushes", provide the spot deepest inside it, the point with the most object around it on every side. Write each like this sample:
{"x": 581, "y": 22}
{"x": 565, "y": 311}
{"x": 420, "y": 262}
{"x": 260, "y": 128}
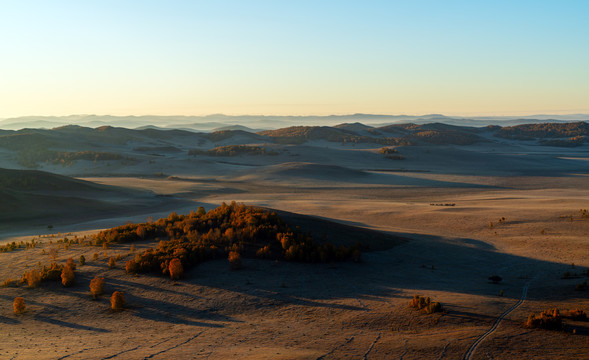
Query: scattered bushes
{"x": 117, "y": 301}
{"x": 19, "y": 305}
{"x": 111, "y": 262}
{"x": 176, "y": 269}
{"x": 97, "y": 286}
{"x": 82, "y": 260}
{"x": 547, "y": 319}
{"x": 425, "y": 303}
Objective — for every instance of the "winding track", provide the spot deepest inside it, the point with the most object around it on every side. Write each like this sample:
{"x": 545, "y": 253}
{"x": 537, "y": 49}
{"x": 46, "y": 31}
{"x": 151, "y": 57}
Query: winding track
{"x": 473, "y": 347}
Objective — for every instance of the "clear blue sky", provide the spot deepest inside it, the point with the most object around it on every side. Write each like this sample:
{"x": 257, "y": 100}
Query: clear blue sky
{"x": 293, "y": 57}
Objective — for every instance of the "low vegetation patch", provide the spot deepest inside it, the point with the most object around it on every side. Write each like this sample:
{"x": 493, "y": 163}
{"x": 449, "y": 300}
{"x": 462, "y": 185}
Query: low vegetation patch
{"x": 547, "y": 319}
{"x": 551, "y": 319}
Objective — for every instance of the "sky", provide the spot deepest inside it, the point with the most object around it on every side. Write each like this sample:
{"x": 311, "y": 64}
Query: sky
{"x": 299, "y": 57}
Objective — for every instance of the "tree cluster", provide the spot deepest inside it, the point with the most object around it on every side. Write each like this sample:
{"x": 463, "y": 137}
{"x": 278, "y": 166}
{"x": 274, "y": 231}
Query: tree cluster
{"x": 202, "y": 236}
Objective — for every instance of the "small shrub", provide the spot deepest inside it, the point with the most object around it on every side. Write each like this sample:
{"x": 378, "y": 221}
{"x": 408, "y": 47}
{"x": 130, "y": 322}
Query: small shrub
{"x": 95, "y": 256}
{"x": 67, "y": 276}
{"x": 234, "y": 260}
{"x": 82, "y": 260}
{"x": 19, "y": 305}
{"x": 70, "y": 262}
{"x": 33, "y": 278}
{"x": 264, "y": 252}
{"x": 117, "y": 301}
{"x": 8, "y": 283}
{"x": 131, "y": 267}
{"x": 97, "y": 286}
{"x": 433, "y": 307}
{"x": 53, "y": 253}
{"x": 176, "y": 269}
{"x": 111, "y": 262}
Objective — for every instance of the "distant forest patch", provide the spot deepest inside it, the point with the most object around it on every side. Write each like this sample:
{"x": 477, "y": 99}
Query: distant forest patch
{"x": 545, "y": 130}
{"x": 31, "y": 158}
{"x": 233, "y": 150}
{"x": 302, "y": 134}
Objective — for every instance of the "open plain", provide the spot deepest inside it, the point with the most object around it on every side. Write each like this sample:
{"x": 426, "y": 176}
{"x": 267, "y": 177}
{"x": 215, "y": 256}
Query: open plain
{"x": 437, "y": 221}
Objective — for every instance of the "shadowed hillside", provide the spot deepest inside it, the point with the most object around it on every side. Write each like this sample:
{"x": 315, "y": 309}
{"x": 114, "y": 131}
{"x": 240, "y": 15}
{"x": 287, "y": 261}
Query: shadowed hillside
{"x": 39, "y": 199}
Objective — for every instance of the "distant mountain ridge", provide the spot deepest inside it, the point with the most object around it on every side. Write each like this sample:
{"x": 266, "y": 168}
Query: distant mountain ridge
{"x": 214, "y": 122}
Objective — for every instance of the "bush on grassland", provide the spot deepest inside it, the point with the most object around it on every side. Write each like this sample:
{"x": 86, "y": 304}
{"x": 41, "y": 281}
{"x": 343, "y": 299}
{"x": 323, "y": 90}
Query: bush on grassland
{"x": 33, "y": 278}
{"x": 97, "y": 286}
{"x": 234, "y": 260}
{"x": 176, "y": 269}
{"x": 576, "y": 314}
{"x": 19, "y": 305}
{"x": 117, "y": 301}
{"x": 425, "y": 303}
{"x": 131, "y": 267}
{"x": 67, "y": 276}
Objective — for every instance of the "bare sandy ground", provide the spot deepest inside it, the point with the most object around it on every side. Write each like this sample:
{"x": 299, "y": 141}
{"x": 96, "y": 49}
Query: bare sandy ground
{"x": 279, "y": 310}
